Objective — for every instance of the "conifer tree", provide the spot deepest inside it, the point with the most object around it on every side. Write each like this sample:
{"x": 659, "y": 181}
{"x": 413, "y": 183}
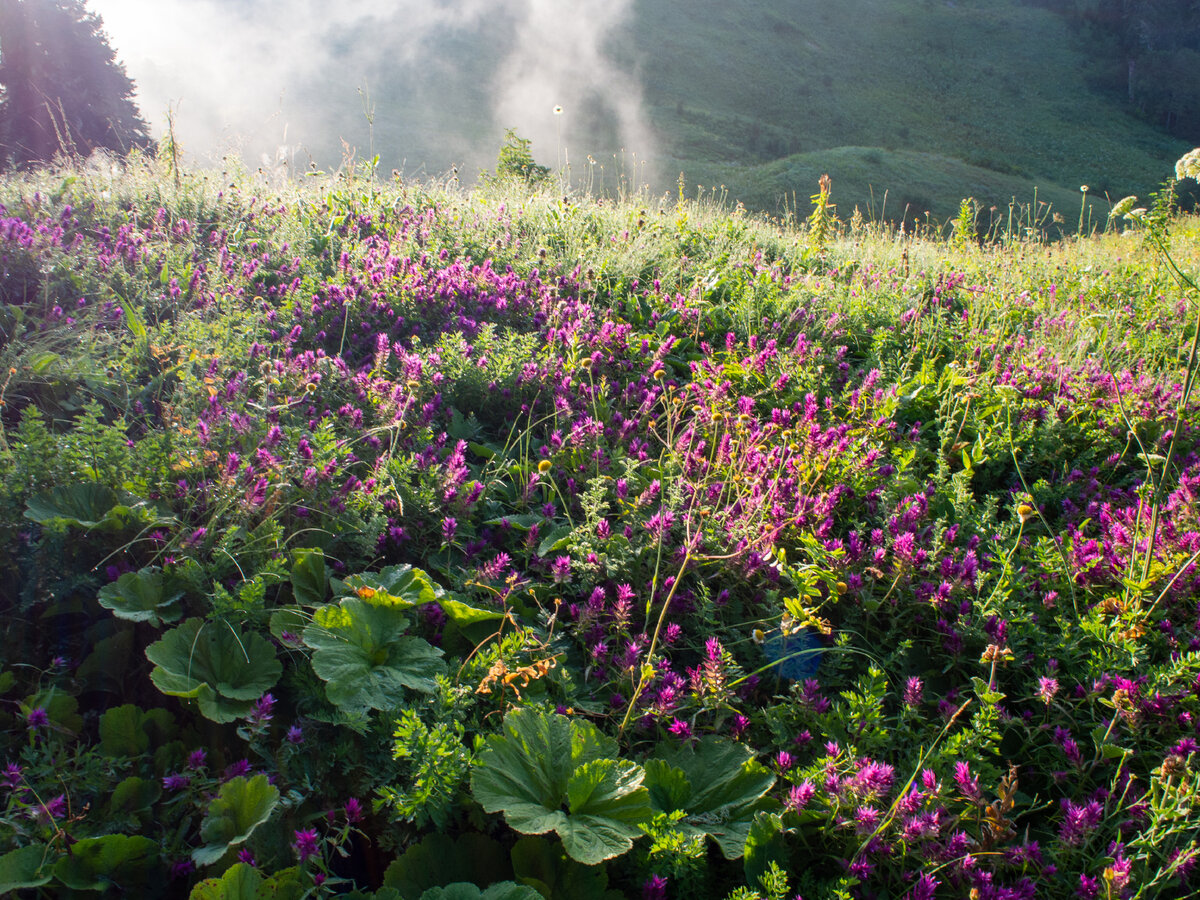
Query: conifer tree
{"x": 62, "y": 89}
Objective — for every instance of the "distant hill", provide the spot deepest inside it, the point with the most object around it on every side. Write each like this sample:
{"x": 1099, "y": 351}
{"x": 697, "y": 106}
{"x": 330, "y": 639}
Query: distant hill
{"x": 923, "y": 102}
{"x": 927, "y": 100}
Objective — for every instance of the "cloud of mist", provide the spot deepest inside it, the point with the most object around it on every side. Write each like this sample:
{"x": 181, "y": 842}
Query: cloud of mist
{"x": 444, "y": 77}
{"x": 560, "y": 60}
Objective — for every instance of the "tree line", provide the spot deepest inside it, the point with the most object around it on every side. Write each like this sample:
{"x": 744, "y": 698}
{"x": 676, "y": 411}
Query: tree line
{"x": 1149, "y": 50}
{"x": 62, "y": 89}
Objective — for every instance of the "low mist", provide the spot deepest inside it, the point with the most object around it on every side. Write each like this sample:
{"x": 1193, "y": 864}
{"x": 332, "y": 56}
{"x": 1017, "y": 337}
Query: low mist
{"x": 427, "y": 86}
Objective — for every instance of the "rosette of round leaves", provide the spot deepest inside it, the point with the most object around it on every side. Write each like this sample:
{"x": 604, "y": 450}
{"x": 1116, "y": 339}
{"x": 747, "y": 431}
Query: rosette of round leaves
{"x": 220, "y": 667}
{"x": 465, "y": 890}
{"x": 365, "y": 657}
{"x": 718, "y": 785}
{"x": 25, "y": 867}
{"x": 438, "y": 859}
{"x": 404, "y": 586}
{"x": 243, "y": 882}
{"x": 240, "y": 806}
{"x": 547, "y": 772}
{"x": 92, "y": 506}
{"x": 141, "y": 597}
{"x": 129, "y": 862}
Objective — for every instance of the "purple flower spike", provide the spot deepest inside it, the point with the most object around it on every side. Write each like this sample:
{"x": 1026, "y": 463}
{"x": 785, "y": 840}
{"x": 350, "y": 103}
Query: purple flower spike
{"x": 306, "y": 844}
{"x": 654, "y": 888}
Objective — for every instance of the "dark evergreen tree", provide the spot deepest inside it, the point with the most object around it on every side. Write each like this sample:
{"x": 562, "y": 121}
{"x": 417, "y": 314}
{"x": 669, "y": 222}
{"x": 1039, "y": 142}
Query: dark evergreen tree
{"x": 61, "y": 86}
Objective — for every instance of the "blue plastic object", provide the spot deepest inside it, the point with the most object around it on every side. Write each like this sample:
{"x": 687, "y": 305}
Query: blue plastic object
{"x": 796, "y": 656}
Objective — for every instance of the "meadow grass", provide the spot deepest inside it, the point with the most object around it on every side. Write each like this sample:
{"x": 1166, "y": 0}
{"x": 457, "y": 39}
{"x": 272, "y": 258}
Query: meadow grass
{"x": 371, "y": 535}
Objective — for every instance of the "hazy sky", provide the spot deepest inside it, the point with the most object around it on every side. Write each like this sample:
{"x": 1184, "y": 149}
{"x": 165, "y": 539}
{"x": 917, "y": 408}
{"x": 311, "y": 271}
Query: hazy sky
{"x": 268, "y": 77}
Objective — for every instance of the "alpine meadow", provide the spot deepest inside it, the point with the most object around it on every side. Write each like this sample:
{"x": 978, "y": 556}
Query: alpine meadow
{"x": 822, "y": 524}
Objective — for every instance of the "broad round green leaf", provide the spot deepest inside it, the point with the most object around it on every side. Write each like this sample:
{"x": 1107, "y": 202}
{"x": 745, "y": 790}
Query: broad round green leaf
{"x": 139, "y": 597}
{"x": 224, "y": 669}
{"x": 465, "y": 890}
{"x": 361, "y": 651}
{"x": 240, "y": 806}
{"x": 95, "y": 864}
{"x": 546, "y": 772}
{"x": 719, "y": 785}
{"x": 27, "y": 867}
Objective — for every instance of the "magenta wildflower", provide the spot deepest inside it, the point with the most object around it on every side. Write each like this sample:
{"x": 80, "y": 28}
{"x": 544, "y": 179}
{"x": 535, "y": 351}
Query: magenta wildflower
{"x": 560, "y": 569}
{"x": 51, "y": 810}
{"x": 181, "y": 868}
{"x": 247, "y": 857}
{"x": 914, "y": 690}
{"x": 196, "y": 758}
{"x": 354, "y": 810}
{"x": 654, "y": 888}
{"x": 195, "y": 538}
{"x": 1079, "y": 821}
{"x": 680, "y": 729}
{"x": 176, "y": 781}
{"x": 968, "y": 784}
{"x": 37, "y": 718}
{"x": 924, "y": 889}
{"x": 305, "y": 844}
{"x": 1047, "y": 688}
{"x": 11, "y": 777}
{"x": 799, "y": 795}
{"x": 263, "y": 711}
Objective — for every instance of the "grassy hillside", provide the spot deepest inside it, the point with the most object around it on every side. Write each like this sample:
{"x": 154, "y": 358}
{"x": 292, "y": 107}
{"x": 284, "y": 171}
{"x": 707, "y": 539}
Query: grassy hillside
{"x": 928, "y": 102}
{"x": 435, "y": 545}
{"x": 981, "y": 89}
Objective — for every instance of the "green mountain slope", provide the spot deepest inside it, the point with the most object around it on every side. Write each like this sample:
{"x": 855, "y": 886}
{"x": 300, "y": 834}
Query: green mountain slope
{"x": 982, "y": 97}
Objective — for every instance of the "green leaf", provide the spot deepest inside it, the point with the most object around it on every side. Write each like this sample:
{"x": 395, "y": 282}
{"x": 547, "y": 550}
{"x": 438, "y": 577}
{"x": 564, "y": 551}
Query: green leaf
{"x": 25, "y": 868}
{"x": 240, "y": 882}
{"x": 463, "y": 616}
{"x": 240, "y": 806}
{"x": 764, "y": 845}
{"x": 84, "y": 505}
{"x": 465, "y": 890}
{"x": 90, "y": 505}
{"x": 103, "y": 666}
{"x": 550, "y": 773}
{"x": 223, "y": 669}
{"x": 128, "y": 862}
{"x": 545, "y": 867}
{"x": 62, "y": 708}
{"x": 243, "y": 882}
{"x": 364, "y": 657}
{"x": 439, "y": 860}
{"x": 139, "y": 597}
{"x": 555, "y": 540}
{"x": 309, "y": 579}
{"x": 132, "y": 796}
{"x": 718, "y": 784}
{"x": 129, "y": 731}
{"x": 402, "y": 586}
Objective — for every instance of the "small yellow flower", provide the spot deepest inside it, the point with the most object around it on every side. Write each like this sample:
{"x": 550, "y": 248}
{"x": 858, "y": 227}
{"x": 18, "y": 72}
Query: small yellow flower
{"x": 659, "y": 374}
{"x": 1026, "y": 512}
{"x": 544, "y": 466}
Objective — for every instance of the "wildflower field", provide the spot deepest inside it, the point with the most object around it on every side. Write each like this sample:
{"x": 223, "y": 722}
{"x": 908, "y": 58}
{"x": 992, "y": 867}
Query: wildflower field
{"x": 378, "y": 539}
